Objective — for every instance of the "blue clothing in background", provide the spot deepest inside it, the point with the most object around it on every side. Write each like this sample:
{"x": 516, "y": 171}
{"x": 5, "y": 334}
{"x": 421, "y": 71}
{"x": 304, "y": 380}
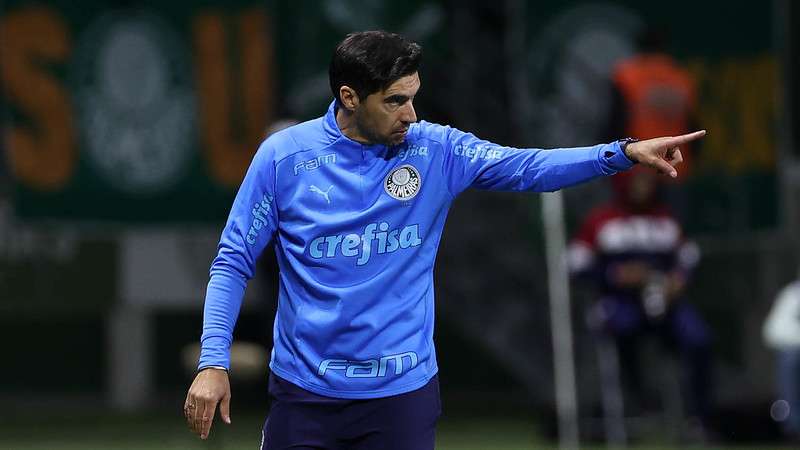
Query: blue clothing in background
{"x": 356, "y": 229}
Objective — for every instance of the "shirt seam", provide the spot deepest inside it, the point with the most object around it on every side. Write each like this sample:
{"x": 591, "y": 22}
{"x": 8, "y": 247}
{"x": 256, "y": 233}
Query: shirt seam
{"x": 289, "y": 155}
{"x": 445, "y": 176}
{"x": 360, "y": 393}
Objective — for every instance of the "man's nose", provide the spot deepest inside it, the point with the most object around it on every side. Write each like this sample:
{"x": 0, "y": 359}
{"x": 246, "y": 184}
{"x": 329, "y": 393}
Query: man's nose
{"x": 409, "y": 115}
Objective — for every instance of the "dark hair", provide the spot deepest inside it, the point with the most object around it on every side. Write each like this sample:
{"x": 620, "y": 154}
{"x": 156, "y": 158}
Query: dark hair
{"x": 369, "y": 61}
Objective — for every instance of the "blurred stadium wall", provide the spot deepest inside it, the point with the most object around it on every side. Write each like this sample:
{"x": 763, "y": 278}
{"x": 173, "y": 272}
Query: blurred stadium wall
{"x": 127, "y": 126}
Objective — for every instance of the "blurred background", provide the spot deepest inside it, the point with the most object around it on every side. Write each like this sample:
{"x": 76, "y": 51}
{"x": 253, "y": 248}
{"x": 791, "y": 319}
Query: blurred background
{"x": 127, "y": 126}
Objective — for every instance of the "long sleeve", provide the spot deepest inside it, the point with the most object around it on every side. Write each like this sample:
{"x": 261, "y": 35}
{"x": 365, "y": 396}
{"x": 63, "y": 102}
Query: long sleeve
{"x": 250, "y": 227}
{"x": 473, "y": 162}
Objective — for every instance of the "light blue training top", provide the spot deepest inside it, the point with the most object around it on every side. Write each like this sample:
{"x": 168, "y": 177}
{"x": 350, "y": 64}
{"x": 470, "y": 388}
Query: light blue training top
{"x": 356, "y": 229}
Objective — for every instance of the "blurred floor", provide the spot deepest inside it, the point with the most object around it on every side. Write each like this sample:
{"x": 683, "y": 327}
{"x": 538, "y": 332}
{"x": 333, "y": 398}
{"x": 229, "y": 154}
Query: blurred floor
{"x": 165, "y": 432}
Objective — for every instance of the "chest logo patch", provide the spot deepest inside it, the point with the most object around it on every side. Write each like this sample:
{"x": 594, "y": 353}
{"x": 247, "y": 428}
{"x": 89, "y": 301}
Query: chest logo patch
{"x": 403, "y": 182}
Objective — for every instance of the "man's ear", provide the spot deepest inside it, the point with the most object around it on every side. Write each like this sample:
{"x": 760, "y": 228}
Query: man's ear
{"x": 349, "y": 98}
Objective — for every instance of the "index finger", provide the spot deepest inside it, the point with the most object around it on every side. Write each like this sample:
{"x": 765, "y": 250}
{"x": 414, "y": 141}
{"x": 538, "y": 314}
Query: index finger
{"x": 684, "y": 138}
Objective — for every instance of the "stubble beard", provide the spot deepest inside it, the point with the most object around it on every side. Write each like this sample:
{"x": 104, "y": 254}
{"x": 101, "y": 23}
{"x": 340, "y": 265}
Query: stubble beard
{"x": 370, "y": 135}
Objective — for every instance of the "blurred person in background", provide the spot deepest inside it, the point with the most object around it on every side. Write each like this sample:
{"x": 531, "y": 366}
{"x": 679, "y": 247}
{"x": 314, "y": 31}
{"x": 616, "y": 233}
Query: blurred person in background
{"x": 782, "y": 334}
{"x": 354, "y": 204}
{"x": 655, "y": 96}
{"x": 634, "y": 253}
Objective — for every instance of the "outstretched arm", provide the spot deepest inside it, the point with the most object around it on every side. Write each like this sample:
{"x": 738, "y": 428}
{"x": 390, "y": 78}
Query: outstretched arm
{"x": 472, "y": 162}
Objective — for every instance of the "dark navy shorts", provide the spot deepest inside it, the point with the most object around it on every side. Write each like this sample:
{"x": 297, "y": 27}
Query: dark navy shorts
{"x": 301, "y": 420}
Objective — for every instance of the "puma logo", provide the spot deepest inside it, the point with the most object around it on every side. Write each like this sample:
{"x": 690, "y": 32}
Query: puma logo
{"x": 319, "y": 191}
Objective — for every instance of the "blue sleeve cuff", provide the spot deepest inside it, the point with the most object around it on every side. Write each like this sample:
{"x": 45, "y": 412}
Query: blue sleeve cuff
{"x": 615, "y": 158}
{"x": 215, "y": 351}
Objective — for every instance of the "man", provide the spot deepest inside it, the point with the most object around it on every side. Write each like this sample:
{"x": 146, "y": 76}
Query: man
{"x": 354, "y": 203}
{"x": 782, "y": 333}
{"x": 634, "y": 251}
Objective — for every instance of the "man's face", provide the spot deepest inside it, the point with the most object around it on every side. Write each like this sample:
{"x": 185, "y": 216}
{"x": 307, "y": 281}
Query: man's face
{"x": 384, "y": 116}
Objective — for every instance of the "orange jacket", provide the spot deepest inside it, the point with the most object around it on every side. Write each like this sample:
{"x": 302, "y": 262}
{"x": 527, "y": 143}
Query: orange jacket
{"x": 658, "y": 97}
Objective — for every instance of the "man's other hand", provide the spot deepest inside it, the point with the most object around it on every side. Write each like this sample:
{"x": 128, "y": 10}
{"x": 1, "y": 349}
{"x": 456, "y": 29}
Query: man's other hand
{"x": 662, "y": 153}
{"x": 210, "y": 387}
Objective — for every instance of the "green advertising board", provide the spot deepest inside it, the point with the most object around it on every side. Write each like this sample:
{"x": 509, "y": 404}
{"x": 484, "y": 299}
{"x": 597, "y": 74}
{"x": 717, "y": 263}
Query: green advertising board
{"x": 134, "y": 114}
